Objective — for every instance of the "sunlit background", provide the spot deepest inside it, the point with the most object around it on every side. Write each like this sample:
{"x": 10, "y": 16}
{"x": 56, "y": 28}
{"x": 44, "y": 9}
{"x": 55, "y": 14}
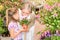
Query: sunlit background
{"x": 49, "y": 15}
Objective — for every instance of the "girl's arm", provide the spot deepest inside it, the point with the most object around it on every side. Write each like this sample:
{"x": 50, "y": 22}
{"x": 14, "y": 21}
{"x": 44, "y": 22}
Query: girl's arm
{"x": 13, "y": 35}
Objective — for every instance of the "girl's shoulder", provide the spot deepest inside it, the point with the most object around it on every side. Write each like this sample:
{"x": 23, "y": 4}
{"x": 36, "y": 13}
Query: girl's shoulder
{"x": 11, "y": 25}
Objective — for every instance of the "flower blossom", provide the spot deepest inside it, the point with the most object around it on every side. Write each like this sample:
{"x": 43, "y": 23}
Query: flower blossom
{"x": 48, "y": 7}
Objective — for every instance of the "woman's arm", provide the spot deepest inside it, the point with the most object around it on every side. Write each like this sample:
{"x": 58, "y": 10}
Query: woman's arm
{"x": 13, "y": 35}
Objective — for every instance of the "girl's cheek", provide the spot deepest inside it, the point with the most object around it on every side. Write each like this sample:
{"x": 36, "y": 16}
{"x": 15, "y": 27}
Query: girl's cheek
{"x": 15, "y": 17}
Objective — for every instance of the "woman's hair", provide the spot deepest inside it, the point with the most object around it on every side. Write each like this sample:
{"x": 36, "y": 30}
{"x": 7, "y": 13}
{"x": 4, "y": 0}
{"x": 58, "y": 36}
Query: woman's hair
{"x": 9, "y": 14}
{"x": 27, "y": 6}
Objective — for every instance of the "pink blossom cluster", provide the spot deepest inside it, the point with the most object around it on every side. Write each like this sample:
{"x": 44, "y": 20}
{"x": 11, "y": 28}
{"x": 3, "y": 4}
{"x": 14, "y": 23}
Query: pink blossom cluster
{"x": 49, "y": 8}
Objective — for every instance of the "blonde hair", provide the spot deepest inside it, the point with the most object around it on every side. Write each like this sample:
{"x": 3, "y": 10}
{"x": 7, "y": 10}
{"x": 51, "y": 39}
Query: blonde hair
{"x": 27, "y": 6}
{"x": 9, "y": 13}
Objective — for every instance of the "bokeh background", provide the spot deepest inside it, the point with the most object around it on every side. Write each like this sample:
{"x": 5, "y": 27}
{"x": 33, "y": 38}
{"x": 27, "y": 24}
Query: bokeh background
{"x": 48, "y": 13}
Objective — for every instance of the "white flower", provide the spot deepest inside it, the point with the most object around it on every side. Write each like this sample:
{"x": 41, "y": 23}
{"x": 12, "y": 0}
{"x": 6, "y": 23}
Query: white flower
{"x": 55, "y": 15}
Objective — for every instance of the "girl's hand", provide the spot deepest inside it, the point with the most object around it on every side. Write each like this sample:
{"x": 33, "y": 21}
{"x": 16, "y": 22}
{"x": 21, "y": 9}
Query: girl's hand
{"x": 24, "y": 30}
{"x": 25, "y": 26}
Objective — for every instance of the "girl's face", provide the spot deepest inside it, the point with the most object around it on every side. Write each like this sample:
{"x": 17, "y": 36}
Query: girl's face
{"x": 16, "y": 16}
{"x": 25, "y": 12}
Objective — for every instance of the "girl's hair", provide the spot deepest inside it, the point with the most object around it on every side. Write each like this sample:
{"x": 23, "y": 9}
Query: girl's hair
{"x": 9, "y": 14}
{"x": 27, "y": 6}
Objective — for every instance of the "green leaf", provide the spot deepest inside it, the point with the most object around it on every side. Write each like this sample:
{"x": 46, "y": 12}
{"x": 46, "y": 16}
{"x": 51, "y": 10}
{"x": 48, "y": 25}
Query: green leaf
{"x": 38, "y": 33}
{"x": 47, "y": 38}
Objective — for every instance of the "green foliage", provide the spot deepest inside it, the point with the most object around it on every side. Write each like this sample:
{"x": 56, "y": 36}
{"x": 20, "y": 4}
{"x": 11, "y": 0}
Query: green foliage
{"x": 38, "y": 33}
{"x": 13, "y": 0}
{"x": 51, "y": 18}
{"x": 51, "y": 2}
{"x": 47, "y": 38}
{"x": 24, "y": 21}
{"x": 53, "y": 37}
{"x": 3, "y": 29}
{"x": 1, "y": 22}
{"x": 3, "y": 12}
{"x": 1, "y": 26}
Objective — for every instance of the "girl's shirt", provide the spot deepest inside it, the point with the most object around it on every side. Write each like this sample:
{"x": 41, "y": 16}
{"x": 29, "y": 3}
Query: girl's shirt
{"x": 16, "y": 27}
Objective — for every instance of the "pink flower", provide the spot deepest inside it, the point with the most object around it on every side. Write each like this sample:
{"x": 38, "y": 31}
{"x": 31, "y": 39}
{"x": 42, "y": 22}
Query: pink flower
{"x": 55, "y": 15}
{"x": 58, "y": 4}
{"x": 48, "y": 7}
{"x": 54, "y": 5}
{"x": 37, "y": 16}
{"x": 21, "y": 0}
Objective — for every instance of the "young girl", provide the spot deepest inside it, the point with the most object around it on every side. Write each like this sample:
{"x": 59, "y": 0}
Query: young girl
{"x": 26, "y": 12}
{"x": 13, "y": 26}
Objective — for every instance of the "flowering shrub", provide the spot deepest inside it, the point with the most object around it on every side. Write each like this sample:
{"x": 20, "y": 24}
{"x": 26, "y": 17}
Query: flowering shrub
{"x": 50, "y": 15}
{"x": 51, "y": 2}
{"x": 53, "y": 37}
{"x": 48, "y": 36}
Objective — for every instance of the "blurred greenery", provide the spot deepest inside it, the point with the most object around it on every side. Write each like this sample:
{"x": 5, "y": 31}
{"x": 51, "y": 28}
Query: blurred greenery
{"x": 3, "y": 28}
{"x": 24, "y": 21}
{"x": 51, "y": 2}
{"x": 53, "y": 37}
{"x": 50, "y": 18}
{"x": 1, "y": 24}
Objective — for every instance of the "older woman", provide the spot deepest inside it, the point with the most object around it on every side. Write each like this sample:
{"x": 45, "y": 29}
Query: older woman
{"x": 27, "y": 13}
